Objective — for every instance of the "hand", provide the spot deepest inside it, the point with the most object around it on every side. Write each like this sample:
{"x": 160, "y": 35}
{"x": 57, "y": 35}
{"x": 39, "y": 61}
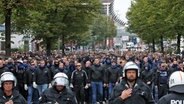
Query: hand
{"x": 105, "y": 85}
{"x": 50, "y": 85}
{"x": 117, "y": 83}
{"x": 86, "y": 87}
{"x": 9, "y": 102}
{"x": 25, "y": 87}
{"x": 149, "y": 82}
{"x": 89, "y": 84}
{"x": 126, "y": 93}
{"x": 34, "y": 85}
{"x": 71, "y": 85}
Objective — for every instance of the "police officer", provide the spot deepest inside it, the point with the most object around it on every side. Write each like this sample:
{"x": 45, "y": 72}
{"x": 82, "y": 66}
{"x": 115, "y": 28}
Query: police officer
{"x": 131, "y": 90}
{"x": 59, "y": 93}
{"x": 176, "y": 88}
{"x": 8, "y": 94}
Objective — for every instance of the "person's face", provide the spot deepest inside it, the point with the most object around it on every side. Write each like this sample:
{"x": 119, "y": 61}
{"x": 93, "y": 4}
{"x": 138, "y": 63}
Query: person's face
{"x": 97, "y": 61}
{"x": 42, "y": 63}
{"x": 61, "y": 65}
{"x": 131, "y": 75}
{"x": 88, "y": 63}
{"x": 8, "y": 86}
{"x": 145, "y": 59}
{"x": 78, "y": 66}
{"x": 181, "y": 65}
{"x": 33, "y": 65}
{"x": 113, "y": 63}
{"x": 59, "y": 87}
{"x": 56, "y": 62}
{"x": 1, "y": 63}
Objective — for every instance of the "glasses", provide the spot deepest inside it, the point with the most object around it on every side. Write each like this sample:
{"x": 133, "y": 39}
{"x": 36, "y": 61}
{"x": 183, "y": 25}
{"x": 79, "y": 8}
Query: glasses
{"x": 78, "y": 65}
{"x": 32, "y": 64}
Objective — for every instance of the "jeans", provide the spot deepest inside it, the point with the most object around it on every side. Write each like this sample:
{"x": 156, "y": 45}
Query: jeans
{"x": 97, "y": 92}
{"x": 111, "y": 86}
{"x": 33, "y": 96}
{"x": 42, "y": 88}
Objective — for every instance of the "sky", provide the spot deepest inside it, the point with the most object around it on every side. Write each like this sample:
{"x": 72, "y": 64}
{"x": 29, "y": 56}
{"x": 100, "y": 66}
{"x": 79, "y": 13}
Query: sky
{"x": 121, "y": 7}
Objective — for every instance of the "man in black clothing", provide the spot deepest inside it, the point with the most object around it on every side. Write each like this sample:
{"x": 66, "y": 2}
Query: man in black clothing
{"x": 42, "y": 77}
{"x": 8, "y": 93}
{"x": 79, "y": 79}
{"x": 176, "y": 88}
{"x": 131, "y": 90}
{"x": 59, "y": 93}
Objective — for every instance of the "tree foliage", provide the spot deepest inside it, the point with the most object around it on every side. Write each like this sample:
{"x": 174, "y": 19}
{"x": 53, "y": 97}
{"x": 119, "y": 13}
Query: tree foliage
{"x": 48, "y": 20}
{"x": 103, "y": 28}
{"x": 153, "y": 19}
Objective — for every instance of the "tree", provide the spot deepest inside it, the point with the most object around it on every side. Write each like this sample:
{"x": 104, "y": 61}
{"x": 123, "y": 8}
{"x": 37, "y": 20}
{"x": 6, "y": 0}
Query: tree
{"x": 103, "y": 28}
{"x": 7, "y": 8}
{"x": 62, "y": 19}
{"x": 51, "y": 19}
{"x": 156, "y": 19}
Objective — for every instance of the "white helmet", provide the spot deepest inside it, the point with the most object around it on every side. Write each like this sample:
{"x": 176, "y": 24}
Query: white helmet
{"x": 60, "y": 79}
{"x": 8, "y": 76}
{"x": 130, "y": 65}
{"x": 176, "y": 82}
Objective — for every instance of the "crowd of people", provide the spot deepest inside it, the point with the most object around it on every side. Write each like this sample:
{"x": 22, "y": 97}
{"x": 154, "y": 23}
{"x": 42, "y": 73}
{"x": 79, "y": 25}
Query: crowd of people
{"x": 92, "y": 78}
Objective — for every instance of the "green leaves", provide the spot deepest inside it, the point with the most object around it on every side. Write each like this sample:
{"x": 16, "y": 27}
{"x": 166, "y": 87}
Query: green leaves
{"x": 156, "y": 17}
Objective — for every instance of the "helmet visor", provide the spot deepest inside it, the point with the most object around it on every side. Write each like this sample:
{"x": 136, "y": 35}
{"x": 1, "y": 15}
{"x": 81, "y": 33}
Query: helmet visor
{"x": 177, "y": 88}
{"x": 61, "y": 81}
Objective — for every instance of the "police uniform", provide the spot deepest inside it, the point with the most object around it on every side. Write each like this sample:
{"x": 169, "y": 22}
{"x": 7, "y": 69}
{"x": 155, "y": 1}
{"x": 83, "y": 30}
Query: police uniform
{"x": 140, "y": 94}
{"x": 176, "y": 89}
{"x": 16, "y": 97}
{"x": 51, "y": 96}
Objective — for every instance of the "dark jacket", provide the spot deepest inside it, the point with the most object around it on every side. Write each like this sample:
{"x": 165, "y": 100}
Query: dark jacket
{"x": 97, "y": 73}
{"x": 17, "y": 98}
{"x": 28, "y": 76}
{"x": 141, "y": 94}
{"x": 3, "y": 69}
{"x": 79, "y": 78}
{"x": 112, "y": 74}
{"x": 42, "y": 76}
{"x": 172, "y": 98}
{"x": 88, "y": 72}
{"x": 148, "y": 76}
{"x": 51, "y": 96}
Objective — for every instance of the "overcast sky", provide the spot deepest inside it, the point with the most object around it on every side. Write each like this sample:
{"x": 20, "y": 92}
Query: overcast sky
{"x": 121, "y": 7}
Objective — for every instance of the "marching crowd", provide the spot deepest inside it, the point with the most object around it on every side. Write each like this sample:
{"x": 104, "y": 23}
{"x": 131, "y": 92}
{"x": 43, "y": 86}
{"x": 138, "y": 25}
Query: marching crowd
{"x": 92, "y": 78}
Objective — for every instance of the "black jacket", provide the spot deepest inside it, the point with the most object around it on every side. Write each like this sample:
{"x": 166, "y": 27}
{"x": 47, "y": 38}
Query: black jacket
{"x": 51, "y": 96}
{"x": 42, "y": 76}
{"x": 28, "y": 76}
{"x": 17, "y": 98}
{"x": 97, "y": 73}
{"x": 3, "y": 69}
{"x": 79, "y": 78}
{"x": 141, "y": 94}
{"x": 112, "y": 74}
{"x": 172, "y": 98}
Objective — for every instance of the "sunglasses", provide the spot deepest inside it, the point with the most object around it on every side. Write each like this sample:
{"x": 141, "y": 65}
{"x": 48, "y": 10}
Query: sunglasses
{"x": 78, "y": 65}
